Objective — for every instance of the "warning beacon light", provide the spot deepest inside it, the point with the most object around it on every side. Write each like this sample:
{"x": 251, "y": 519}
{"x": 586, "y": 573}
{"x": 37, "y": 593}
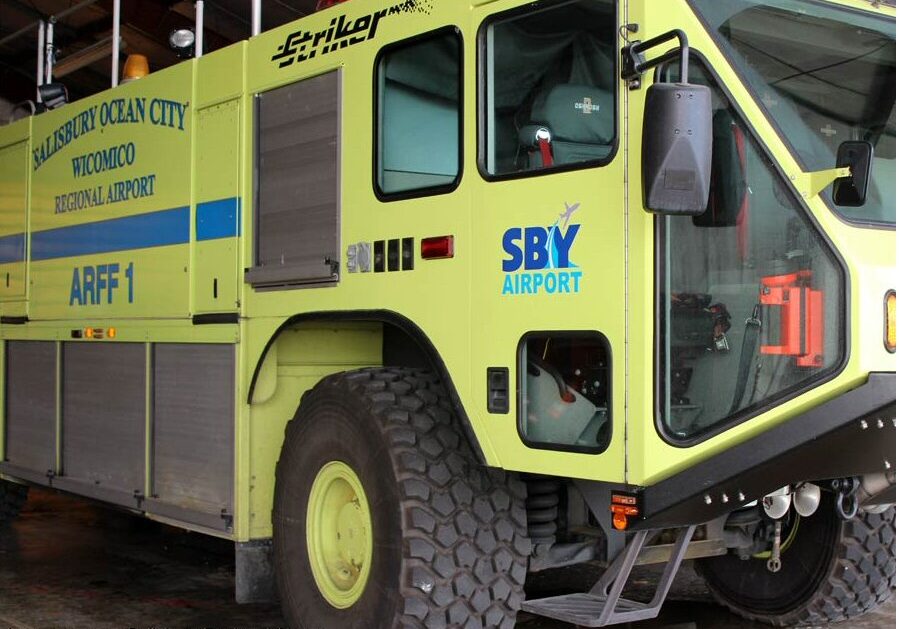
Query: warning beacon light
{"x": 136, "y": 67}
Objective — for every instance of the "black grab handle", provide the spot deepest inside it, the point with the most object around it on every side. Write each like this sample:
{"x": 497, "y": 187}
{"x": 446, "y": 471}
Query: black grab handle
{"x": 635, "y": 64}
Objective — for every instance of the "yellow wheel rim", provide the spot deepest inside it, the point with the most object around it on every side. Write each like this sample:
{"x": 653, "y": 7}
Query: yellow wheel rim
{"x": 338, "y": 534}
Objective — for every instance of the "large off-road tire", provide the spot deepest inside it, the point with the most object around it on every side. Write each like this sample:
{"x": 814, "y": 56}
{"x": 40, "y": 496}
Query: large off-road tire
{"x": 447, "y": 544}
{"x": 832, "y": 571}
{"x": 12, "y": 499}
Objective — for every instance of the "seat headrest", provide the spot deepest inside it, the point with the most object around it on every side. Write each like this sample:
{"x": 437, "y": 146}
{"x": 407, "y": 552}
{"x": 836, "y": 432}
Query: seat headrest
{"x": 577, "y": 113}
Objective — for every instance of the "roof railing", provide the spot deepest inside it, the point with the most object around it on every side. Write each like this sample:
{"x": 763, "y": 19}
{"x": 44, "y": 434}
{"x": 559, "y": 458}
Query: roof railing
{"x": 46, "y": 47}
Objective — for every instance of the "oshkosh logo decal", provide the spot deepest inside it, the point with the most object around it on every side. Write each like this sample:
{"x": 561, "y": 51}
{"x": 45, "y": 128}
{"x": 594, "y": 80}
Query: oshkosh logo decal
{"x": 342, "y": 32}
{"x": 587, "y": 106}
{"x": 539, "y": 258}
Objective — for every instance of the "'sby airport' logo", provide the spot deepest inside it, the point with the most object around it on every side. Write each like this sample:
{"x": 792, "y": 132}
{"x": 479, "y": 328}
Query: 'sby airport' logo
{"x": 342, "y": 32}
{"x": 539, "y": 258}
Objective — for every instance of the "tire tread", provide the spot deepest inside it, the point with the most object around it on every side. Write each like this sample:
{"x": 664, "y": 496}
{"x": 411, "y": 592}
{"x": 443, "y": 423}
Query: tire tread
{"x": 861, "y": 578}
{"x": 464, "y": 526}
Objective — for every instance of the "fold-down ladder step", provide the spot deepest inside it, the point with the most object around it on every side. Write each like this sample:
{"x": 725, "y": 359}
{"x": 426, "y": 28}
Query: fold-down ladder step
{"x": 584, "y": 610}
{"x": 603, "y": 605}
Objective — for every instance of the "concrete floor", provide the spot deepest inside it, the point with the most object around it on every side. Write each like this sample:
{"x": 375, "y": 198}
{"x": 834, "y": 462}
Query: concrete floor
{"x": 68, "y": 563}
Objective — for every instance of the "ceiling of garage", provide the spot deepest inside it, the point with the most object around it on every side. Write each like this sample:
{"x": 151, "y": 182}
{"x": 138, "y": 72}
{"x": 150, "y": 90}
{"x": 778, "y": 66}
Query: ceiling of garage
{"x": 146, "y": 25}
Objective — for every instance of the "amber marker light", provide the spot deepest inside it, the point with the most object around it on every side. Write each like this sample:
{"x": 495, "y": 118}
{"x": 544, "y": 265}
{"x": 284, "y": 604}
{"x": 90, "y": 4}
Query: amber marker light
{"x": 622, "y": 508}
{"x": 88, "y": 333}
{"x": 110, "y": 333}
{"x": 889, "y": 323}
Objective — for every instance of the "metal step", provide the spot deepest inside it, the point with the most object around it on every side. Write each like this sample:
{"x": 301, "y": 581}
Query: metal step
{"x": 585, "y": 610}
{"x": 603, "y": 605}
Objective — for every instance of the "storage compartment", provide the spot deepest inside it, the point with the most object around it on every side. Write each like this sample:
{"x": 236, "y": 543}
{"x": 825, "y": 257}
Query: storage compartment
{"x": 297, "y": 183}
{"x": 31, "y": 405}
{"x": 14, "y": 173}
{"x": 193, "y": 433}
{"x": 104, "y": 419}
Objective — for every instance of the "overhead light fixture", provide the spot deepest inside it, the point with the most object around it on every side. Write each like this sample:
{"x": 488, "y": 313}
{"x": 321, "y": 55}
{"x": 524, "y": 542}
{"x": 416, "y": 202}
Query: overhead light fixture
{"x": 182, "y": 41}
{"x": 53, "y": 95}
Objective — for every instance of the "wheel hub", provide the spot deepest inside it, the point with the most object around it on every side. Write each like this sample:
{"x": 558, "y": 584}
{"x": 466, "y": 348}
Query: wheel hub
{"x": 338, "y": 534}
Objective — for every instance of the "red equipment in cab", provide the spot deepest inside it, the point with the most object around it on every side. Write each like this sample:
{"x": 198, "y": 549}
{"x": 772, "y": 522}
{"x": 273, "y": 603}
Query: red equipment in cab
{"x": 800, "y": 309}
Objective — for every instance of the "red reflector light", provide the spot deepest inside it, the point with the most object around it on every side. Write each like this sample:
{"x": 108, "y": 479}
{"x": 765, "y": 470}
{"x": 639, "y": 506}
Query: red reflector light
{"x": 619, "y": 521}
{"x": 437, "y": 248}
{"x": 624, "y": 500}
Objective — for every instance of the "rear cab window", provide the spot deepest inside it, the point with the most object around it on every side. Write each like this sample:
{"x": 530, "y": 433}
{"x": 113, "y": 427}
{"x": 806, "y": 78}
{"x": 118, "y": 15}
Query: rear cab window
{"x": 548, "y": 88}
{"x": 419, "y": 116}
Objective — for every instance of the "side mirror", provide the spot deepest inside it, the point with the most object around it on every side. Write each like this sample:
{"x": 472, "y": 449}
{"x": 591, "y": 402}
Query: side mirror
{"x": 677, "y": 149}
{"x": 853, "y": 191}
{"x": 677, "y": 130}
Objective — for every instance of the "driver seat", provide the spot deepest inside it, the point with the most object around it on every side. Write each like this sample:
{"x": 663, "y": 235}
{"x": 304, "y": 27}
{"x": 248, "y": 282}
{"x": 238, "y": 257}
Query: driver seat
{"x": 575, "y": 122}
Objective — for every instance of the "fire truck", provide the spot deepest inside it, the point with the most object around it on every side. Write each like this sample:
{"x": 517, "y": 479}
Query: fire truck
{"x": 411, "y": 299}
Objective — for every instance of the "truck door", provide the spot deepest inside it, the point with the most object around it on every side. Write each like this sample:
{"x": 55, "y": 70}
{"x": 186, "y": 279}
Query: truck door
{"x": 748, "y": 296}
{"x": 13, "y": 224}
{"x": 548, "y": 215}
{"x": 218, "y": 208}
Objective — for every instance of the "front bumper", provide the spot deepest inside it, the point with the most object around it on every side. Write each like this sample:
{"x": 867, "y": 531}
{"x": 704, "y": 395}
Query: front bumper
{"x": 851, "y": 435}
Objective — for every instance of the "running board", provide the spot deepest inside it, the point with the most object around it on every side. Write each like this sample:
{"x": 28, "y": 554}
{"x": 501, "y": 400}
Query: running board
{"x": 603, "y": 605}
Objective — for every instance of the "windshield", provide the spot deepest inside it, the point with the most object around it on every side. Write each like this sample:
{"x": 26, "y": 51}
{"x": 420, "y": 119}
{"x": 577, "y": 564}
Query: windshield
{"x": 825, "y": 75}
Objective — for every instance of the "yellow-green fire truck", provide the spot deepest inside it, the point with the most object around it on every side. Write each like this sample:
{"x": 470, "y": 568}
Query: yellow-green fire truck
{"x": 411, "y": 298}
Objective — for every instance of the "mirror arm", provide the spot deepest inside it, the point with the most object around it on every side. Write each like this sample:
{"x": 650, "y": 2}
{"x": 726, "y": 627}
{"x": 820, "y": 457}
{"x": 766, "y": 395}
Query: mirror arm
{"x": 635, "y": 63}
{"x": 810, "y": 184}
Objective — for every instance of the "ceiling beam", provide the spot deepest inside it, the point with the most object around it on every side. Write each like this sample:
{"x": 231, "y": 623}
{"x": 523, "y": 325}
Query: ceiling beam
{"x": 31, "y": 13}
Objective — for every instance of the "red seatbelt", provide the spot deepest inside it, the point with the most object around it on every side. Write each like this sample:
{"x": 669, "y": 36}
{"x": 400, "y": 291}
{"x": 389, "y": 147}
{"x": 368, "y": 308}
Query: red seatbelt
{"x": 743, "y": 215}
{"x": 546, "y": 151}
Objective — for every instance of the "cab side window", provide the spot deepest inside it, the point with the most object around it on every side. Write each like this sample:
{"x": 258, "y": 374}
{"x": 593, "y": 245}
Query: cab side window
{"x": 550, "y": 81}
{"x": 419, "y": 118}
{"x": 751, "y": 296}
